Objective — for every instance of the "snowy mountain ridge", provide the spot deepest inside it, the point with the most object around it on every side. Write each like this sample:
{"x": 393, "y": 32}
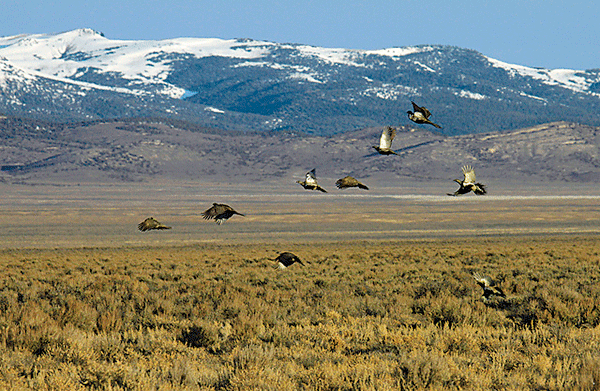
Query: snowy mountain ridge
{"x": 67, "y": 56}
{"x": 81, "y": 74}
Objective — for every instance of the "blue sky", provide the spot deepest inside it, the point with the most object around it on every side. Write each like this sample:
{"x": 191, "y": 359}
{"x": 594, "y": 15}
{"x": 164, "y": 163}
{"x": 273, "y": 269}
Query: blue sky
{"x": 549, "y": 34}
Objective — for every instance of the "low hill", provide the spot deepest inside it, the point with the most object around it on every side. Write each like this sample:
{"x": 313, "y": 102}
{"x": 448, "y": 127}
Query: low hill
{"x": 144, "y": 150}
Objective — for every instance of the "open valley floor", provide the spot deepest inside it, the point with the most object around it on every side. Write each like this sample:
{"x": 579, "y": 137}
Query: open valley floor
{"x": 46, "y": 216}
{"x": 386, "y": 299}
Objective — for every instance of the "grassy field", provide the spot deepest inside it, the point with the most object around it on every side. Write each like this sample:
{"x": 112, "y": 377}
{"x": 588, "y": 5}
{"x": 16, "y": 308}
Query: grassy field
{"x": 361, "y": 315}
{"x": 386, "y": 300}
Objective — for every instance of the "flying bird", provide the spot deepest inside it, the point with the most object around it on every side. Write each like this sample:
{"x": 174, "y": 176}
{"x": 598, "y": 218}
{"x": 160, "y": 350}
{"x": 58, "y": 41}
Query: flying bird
{"x": 490, "y": 290}
{"x": 385, "y": 142}
{"x": 219, "y": 212}
{"x": 151, "y": 223}
{"x": 286, "y": 259}
{"x": 421, "y": 115}
{"x": 468, "y": 184}
{"x": 349, "y": 181}
{"x": 310, "y": 181}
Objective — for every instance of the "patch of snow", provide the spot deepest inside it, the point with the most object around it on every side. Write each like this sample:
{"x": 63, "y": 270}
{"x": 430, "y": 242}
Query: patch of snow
{"x": 400, "y": 52}
{"x": 425, "y": 67}
{"x": 353, "y": 57}
{"x": 567, "y": 78}
{"x": 470, "y": 95}
{"x": 390, "y": 91}
{"x": 333, "y": 56}
{"x": 214, "y": 110}
{"x": 273, "y": 123}
{"x": 533, "y": 97}
{"x": 255, "y": 64}
{"x": 306, "y": 77}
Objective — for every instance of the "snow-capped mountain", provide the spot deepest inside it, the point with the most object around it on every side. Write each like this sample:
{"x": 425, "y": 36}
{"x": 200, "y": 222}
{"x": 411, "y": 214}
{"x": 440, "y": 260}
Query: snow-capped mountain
{"x": 256, "y": 85}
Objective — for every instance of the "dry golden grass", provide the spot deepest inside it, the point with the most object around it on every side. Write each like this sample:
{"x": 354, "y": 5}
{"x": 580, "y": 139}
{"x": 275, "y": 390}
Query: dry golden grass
{"x": 398, "y": 315}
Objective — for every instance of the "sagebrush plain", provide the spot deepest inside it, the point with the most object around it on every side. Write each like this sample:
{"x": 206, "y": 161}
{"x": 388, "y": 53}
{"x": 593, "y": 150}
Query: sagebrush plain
{"x": 386, "y": 300}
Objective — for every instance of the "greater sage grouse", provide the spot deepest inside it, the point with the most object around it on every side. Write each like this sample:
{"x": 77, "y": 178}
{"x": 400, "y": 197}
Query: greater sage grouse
{"x": 349, "y": 181}
{"x": 385, "y": 141}
{"x": 310, "y": 181}
{"x": 286, "y": 259}
{"x": 421, "y": 115}
{"x": 151, "y": 223}
{"x": 219, "y": 212}
{"x": 490, "y": 290}
{"x": 468, "y": 184}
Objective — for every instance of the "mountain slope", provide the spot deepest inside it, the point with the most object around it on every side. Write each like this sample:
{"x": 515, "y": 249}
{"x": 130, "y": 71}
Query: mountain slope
{"x": 257, "y": 85}
{"x": 151, "y": 149}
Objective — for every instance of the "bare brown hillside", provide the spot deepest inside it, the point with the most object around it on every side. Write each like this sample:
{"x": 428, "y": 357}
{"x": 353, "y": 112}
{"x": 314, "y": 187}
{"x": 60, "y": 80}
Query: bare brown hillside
{"x": 147, "y": 150}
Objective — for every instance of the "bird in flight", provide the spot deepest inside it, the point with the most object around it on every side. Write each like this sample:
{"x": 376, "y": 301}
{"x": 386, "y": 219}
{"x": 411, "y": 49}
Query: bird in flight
{"x": 421, "y": 115}
{"x": 151, "y": 223}
{"x": 349, "y": 181}
{"x": 219, "y": 212}
{"x": 286, "y": 259}
{"x": 310, "y": 181}
{"x": 490, "y": 290}
{"x": 468, "y": 184}
{"x": 385, "y": 141}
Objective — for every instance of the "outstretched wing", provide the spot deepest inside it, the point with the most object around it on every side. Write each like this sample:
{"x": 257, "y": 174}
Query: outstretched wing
{"x": 426, "y": 113}
{"x": 484, "y": 281}
{"x": 387, "y": 136}
{"x": 147, "y": 224}
{"x": 469, "y": 174}
{"x": 220, "y": 212}
{"x": 415, "y": 106}
{"x": 214, "y": 211}
{"x": 311, "y": 177}
{"x": 423, "y": 110}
